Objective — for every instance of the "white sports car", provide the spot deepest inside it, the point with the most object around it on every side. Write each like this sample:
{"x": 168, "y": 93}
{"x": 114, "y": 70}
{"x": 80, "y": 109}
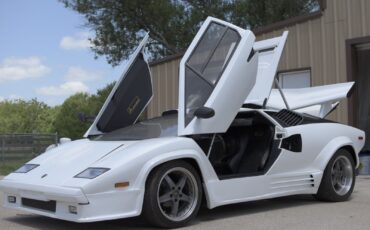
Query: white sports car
{"x": 233, "y": 139}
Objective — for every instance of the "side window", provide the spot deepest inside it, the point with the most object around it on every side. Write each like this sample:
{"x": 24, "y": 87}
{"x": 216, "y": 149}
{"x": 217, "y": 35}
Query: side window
{"x": 206, "y": 64}
{"x": 295, "y": 79}
{"x": 206, "y": 45}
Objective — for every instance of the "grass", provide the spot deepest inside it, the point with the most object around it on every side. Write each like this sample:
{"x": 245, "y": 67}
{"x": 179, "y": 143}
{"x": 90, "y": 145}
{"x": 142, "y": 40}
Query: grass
{"x": 9, "y": 165}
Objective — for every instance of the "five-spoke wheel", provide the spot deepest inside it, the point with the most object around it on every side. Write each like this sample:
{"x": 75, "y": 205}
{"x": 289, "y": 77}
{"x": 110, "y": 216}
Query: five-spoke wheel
{"x": 177, "y": 194}
{"x": 173, "y": 194}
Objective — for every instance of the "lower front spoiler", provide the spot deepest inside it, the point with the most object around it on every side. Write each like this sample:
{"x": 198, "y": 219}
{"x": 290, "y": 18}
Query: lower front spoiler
{"x": 110, "y": 205}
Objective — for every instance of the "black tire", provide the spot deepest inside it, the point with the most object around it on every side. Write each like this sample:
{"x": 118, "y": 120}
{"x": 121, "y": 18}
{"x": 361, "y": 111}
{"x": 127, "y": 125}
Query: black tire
{"x": 328, "y": 191}
{"x": 155, "y": 211}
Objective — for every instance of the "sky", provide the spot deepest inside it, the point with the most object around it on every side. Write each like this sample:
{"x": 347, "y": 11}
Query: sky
{"x": 45, "y": 53}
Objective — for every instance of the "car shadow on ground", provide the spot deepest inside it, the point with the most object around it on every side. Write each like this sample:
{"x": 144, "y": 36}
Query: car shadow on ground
{"x": 205, "y": 215}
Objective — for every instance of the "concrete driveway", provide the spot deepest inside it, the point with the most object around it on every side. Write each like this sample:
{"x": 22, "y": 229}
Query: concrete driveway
{"x": 298, "y": 212}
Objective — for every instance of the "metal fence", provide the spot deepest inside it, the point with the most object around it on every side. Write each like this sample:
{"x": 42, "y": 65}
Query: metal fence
{"x": 16, "y": 149}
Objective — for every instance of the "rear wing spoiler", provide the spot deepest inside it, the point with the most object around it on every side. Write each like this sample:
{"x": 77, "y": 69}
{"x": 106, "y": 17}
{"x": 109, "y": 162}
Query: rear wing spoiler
{"x": 318, "y": 101}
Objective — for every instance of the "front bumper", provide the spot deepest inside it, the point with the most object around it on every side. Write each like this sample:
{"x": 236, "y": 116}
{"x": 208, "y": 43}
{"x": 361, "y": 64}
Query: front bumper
{"x": 110, "y": 205}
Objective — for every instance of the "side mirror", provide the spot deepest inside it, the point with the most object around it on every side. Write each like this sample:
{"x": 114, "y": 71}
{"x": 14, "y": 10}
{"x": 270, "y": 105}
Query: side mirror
{"x": 204, "y": 112}
{"x": 85, "y": 118}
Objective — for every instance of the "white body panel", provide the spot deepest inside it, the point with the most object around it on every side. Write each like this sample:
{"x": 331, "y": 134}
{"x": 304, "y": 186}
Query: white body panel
{"x": 97, "y": 199}
{"x": 317, "y": 101}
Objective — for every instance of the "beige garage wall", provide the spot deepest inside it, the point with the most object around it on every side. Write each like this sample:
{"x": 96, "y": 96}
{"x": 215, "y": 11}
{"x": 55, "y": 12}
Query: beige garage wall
{"x": 165, "y": 87}
{"x": 317, "y": 43}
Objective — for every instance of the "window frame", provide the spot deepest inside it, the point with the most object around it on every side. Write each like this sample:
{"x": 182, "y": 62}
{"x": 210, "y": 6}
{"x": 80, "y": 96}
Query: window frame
{"x": 279, "y": 75}
{"x": 187, "y": 65}
{"x": 200, "y": 75}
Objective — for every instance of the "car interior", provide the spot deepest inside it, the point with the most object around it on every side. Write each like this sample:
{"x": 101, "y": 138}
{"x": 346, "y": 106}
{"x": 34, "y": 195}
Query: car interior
{"x": 246, "y": 149}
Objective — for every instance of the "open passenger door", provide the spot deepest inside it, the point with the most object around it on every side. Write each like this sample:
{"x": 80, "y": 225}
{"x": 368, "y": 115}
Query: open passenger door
{"x": 270, "y": 51}
{"x": 129, "y": 96}
{"x": 218, "y": 71}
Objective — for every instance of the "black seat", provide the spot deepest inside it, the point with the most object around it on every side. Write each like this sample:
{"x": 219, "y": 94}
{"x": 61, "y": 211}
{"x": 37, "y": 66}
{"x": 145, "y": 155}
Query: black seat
{"x": 226, "y": 159}
{"x": 234, "y": 162}
{"x": 235, "y": 149}
{"x": 244, "y": 149}
{"x": 256, "y": 156}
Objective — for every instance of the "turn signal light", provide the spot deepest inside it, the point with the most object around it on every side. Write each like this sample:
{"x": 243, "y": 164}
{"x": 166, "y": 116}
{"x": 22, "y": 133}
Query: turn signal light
{"x": 12, "y": 199}
{"x": 122, "y": 184}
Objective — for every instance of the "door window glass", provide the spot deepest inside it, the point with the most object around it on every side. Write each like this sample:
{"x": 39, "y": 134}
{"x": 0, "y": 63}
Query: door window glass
{"x": 206, "y": 64}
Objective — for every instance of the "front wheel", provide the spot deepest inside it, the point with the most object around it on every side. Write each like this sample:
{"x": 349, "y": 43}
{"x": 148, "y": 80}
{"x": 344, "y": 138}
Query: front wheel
{"x": 173, "y": 195}
{"x": 339, "y": 178}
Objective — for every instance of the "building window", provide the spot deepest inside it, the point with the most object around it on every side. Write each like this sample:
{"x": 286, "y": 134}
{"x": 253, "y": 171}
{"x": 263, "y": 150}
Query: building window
{"x": 295, "y": 79}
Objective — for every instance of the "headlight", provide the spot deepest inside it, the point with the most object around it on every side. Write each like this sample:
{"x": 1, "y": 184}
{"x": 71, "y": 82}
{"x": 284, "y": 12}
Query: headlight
{"x": 91, "y": 173}
{"x": 26, "y": 168}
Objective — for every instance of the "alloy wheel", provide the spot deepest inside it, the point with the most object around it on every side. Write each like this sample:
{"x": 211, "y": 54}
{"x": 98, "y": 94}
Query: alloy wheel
{"x": 342, "y": 175}
{"x": 177, "y": 194}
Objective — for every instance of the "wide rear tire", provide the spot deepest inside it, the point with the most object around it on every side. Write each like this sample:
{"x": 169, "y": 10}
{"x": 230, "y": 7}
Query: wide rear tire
{"x": 339, "y": 178}
{"x": 173, "y": 195}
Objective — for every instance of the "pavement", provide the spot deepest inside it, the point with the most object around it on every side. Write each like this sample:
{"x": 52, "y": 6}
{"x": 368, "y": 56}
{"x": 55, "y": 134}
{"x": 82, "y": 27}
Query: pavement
{"x": 295, "y": 212}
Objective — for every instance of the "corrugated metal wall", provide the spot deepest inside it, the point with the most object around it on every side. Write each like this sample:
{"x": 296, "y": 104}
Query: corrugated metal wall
{"x": 165, "y": 86}
{"x": 318, "y": 43}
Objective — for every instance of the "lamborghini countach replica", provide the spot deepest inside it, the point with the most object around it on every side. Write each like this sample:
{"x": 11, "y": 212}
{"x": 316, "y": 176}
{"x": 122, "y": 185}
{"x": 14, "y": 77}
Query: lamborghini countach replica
{"x": 233, "y": 138}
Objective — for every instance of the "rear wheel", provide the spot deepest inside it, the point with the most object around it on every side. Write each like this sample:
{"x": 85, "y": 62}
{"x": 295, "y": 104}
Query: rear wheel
{"x": 339, "y": 178}
{"x": 173, "y": 195}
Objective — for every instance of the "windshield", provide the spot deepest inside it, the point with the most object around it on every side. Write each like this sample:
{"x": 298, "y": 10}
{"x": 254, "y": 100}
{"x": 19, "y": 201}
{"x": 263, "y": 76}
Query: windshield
{"x": 165, "y": 126}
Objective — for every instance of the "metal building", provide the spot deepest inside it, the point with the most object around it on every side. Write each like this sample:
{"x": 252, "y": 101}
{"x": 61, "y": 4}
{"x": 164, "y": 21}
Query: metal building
{"x": 328, "y": 46}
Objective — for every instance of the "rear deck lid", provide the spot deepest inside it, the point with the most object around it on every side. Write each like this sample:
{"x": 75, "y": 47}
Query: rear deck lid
{"x": 129, "y": 96}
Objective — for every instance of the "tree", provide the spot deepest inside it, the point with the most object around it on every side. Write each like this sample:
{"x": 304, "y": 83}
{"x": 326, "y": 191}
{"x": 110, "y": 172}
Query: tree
{"x": 20, "y": 116}
{"x": 97, "y": 100}
{"x": 67, "y": 122}
{"x": 120, "y": 24}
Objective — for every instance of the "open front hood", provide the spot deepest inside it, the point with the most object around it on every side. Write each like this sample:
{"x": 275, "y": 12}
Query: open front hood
{"x": 129, "y": 96}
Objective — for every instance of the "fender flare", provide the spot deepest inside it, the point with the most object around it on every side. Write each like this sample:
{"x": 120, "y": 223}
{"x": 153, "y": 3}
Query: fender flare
{"x": 331, "y": 148}
{"x": 199, "y": 158}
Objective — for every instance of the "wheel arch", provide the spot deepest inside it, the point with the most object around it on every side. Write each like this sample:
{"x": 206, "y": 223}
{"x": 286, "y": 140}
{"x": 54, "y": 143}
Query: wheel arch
{"x": 332, "y": 147}
{"x": 192, "y": 161}
{"x": 351, "y": 150}
{"x": 194, "y": 158}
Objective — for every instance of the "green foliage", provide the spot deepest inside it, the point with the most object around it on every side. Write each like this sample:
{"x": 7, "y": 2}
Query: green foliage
{"x": 22, "y": 116}
{"x": 119, "y": 25}
{"x": 256, "y": 13}
{"x": 67, "y": 122}
{"x": 97, "y": 100}
{"x": 9, "y": 166}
